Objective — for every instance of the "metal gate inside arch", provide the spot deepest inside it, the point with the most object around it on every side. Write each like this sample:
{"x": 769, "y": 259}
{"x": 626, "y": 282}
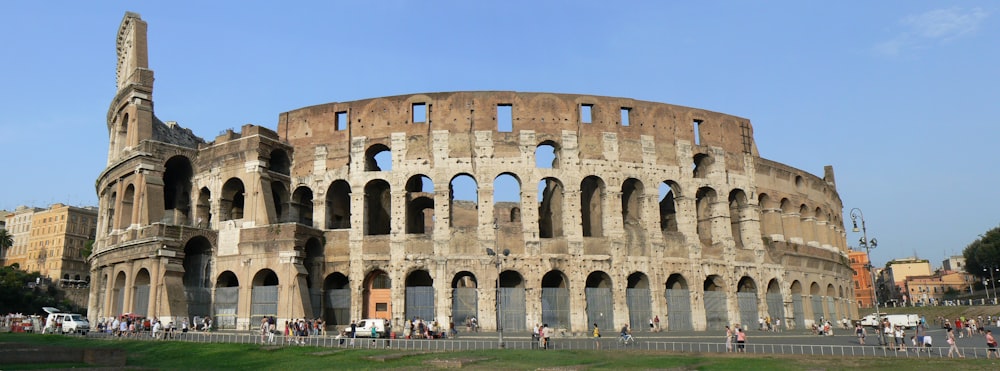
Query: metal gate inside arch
{"x": 775, "y": 307}
{"x": 555, "y": 307}
{"x": 600, "y": 310}
{"x": 420, "y": 302}
{"x": 799, "y": 311}
{"x": 512, "y": 309}
{"x": 140, "y": 305}
{"x": 639, "y": 311}
{"x": 226, "y": 301}
{"x": 338, "y": 306}
{"x": 678, "y": 309}
{"x": 817, "y": 304}
{"x": 464, "y": 304}
{"x": 716, "y": 312}
{"x": 263, "y": 303}
{"x": 747, "y": 302}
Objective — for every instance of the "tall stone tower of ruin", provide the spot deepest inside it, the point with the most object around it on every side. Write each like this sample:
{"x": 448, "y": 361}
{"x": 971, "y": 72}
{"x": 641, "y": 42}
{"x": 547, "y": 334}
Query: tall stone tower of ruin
{"x": 130, "y": 116}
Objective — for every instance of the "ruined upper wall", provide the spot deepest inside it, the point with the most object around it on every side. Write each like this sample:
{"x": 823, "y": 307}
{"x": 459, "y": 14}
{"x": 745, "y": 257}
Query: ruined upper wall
{"x": 547, "y": 114}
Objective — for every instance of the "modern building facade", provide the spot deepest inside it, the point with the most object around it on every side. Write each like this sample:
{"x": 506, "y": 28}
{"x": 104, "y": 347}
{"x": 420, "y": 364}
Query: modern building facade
{"x": 52, "y": 241}
{"x": 596, "y": 209}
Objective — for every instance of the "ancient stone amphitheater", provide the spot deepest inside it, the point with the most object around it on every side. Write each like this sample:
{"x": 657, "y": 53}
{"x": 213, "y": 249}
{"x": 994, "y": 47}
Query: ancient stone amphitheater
{"x": 570, "y": 209}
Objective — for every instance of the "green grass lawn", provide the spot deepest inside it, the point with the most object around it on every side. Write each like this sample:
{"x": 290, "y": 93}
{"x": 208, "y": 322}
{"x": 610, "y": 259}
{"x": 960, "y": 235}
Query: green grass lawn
{"x": 182, "y": 355}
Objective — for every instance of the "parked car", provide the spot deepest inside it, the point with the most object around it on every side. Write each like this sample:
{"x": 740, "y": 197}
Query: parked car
{"x": 65, "y": 323}
{"x": 364, "y": 328}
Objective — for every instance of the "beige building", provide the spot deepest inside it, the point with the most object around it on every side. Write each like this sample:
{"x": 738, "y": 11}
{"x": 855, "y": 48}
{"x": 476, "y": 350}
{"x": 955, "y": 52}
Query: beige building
{"x": 930, "y": 290}
{"x": 53, "y": 241}
{"x": 895, "y": 274}
{"x": 604, "y": 209}
{"x": 18, "y": 224}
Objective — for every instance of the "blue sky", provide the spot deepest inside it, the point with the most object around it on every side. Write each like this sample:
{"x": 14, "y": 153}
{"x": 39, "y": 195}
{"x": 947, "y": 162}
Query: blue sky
{"x": 901, "y": 97}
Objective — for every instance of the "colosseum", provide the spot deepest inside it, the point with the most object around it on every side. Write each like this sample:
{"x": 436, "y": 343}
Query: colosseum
{"x": 514, "y": 208}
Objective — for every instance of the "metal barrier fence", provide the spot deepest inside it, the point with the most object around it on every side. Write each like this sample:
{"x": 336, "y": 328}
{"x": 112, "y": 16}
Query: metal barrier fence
{"x": 606, "y": 344}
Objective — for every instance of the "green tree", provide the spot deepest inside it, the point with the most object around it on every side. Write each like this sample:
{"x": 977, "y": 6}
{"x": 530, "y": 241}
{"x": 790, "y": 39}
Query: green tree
{"x": 983, "y": 253}
{"x": 6, "y": 241}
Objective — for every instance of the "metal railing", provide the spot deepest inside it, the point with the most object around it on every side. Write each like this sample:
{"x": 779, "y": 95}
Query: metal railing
{"x": 606, "y": 344}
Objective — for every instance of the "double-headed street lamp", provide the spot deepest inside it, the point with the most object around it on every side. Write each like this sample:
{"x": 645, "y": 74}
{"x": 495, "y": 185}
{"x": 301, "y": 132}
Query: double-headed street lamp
{"x": 991, "y": 283}
{"x": 498, "y": 261}
{"x": 868, "y": 246}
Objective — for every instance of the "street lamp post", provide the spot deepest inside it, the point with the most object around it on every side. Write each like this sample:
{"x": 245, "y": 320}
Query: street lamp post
{"x": 498, "y": 262}
{"x": 992, "y": 283}
{"x": 868, "y": 246}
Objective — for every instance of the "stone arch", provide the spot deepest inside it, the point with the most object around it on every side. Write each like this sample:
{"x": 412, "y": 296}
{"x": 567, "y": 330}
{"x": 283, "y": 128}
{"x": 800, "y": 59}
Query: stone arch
{"x": 263, "y": 295}
{"x": 513, "y": 304}
{"x": 507, "y": 199}
{"x": 378, "y": 157}
{"x": 598, "y": 294}
{"x": 716, "y": 303}
{"x": 820, "y": 221}
{"x": 419, "y": 295}
{"x": 789, "y": 221}
{"x": 336, "y": 299}
{"x": 775, "y": 302}
{"x": 704, "y": 201}
{"x": 177, "y": 190}
{"x": 592, "y": 191}
{"x": 419, "y": 204}
{"x": 555, "y": 299}
{"x": 702, "y": 165}
{"x": 831, "y": 304}
{"x": 140, "y": 293}
{"x": 669, "y": 191}
{"x": 378, "y": 208}
{"x": 338, "y": 205}
{"x": 227, "y": 300}
{"x": 118, "y": 294}
{"x": 278, "y": 162}
{"x": 817, "y": 303}
{"x": 547, "y": 155}
{"x": 638, "y": 298}
{"x": 463, "y": 198}
{"x": 464, "y": 297}
{"x": 746, "y": 300}
{"x": 737, "y": 209}
{"x": 128, "y": 199}
{"x": 198, "y": 275}
{"x": 770, "y": 217}
{"x": 112, "y": 200}
{"x": 232, "y": 200}
{"x": 550, "y": 208}
{"x": 807, "y": 224}
{"x": 302, "y": 206}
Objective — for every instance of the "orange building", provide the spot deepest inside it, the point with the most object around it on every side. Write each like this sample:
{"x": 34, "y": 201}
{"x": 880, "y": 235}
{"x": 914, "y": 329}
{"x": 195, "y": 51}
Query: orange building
{"x": 862, "y": 278}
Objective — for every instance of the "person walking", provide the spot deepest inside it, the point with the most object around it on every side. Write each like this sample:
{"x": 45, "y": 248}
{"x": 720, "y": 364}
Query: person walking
{"x": 741, "y": 340}
{"x": 860, "y": 331}
{"x": 953, "y": 345}
{"x": 991, "y": 345}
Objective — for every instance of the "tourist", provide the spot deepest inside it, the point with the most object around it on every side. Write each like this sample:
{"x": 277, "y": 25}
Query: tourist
{"x": 597, "y": 336}
{"x": 741, "y": 340}
{"x": 953, "y": 345}
{"x": 729, "y": 339}
{"x": 860, "y": 331}
{"x": 991, "y": 345}
{"x": 656, "y": 323}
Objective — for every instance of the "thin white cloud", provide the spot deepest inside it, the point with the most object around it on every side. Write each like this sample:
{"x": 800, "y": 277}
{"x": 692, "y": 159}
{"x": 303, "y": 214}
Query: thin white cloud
{"x": 933, "y": 27}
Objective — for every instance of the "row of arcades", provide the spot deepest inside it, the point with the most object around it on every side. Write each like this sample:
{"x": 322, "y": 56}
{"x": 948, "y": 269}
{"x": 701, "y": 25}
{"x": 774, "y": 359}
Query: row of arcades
{"x": 238, "y": 299}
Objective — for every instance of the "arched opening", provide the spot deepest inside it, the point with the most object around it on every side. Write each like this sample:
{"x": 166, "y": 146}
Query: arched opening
{"x": 264, "y": 295}
{"x": 377, "y": 295}
{"x": 126, "y": 210}
{"x": 704, "y": 202}
{"x": 279, "y": 197}
{"x": 638, "y": 299}
{"x": 798, "y": 304}
{"x": 807, "y": 224}
{"x": 668, "y": 206}
{"x": 716, "y": 304}
{"x": 204, "y": 218}
{"x": 198, "y": 276}
{"x": 338, "y": 205}
{"x": 513, "y": 311}
{"x": 279, "y": 162}
{"x": 378, "y": 208}
{"x": 464, "y": 297}
{"x": 419, "y": 205}
{"x": 507, "y": 206}
{"x": 112, "y": 202}
{"x": 378, "y": 157}
{"x": 118, "y": 294}
{"x": 463, "y": 195}
{"x": 746, "y": 300}
{"x": 737, "y": 207}
{"x": 831, "y": 305}
{"x": 302, "y": 206}
{"x": 678, "y": 303}
{"x": 600, "y": 306}
{"x": 775, "y": 302}
{"x": 547, "y": 155}
{"x": 177, "y": 190}
{"x": 770, "y": 216}
{"x": 790, "y": 221}
{"x": 140, "y": 293}
{"x": 555, "y": 300}
{"x": 227, "y": 300}
{"x": 315, "y": 262}
{"x": 817, "y": 303}
{"x": 419, "y": 295}
{"x": 550, "y": 208}
{"x": 231, "y": 203}
{"x": 337, "y": 300}
{"x": 592, "y": 206}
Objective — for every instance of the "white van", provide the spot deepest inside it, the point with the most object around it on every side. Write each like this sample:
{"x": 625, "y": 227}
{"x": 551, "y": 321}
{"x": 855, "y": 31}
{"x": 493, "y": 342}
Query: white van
{"x": 364, "y": 328}
{"x": 65, "y": 323}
